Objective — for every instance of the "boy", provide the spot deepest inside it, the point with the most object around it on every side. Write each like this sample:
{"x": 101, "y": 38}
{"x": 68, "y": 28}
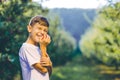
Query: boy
{"x": 34, "y": 61}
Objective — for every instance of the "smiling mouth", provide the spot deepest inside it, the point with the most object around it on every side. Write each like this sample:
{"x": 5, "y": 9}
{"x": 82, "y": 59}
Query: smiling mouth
{"x": 40, "y": 35}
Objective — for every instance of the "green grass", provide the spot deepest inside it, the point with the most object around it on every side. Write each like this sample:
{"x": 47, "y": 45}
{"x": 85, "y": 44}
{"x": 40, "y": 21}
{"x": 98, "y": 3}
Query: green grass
{"x": 75, "y": 72}
{"x": 78, "y": 70}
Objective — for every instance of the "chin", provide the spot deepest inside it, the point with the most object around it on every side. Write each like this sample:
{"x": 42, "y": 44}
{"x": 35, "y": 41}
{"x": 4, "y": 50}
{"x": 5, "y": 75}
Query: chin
{"x": 37, "y": 41}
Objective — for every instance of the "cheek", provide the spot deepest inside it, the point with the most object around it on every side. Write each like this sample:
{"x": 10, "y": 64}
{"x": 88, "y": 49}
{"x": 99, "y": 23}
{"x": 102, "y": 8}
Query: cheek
{"x": 35, "y": 31}
{"x": 45, "y": 32}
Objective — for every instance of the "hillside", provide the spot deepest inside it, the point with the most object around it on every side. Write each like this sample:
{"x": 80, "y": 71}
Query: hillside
{"x": 76, "y": 21}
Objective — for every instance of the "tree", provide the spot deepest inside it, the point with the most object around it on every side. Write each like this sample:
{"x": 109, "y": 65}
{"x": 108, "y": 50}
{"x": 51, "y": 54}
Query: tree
{"x": 14, "y": 16}
{"x": 102, "y": 40}
{"x": 62, "y": 45}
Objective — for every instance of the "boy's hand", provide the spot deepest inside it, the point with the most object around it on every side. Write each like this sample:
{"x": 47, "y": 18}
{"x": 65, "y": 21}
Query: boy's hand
{"x": 45, "y": 61}
{"x": 44, "y": 70}
{"x": 40, "y": 68}
{"x": 45, "y": 39}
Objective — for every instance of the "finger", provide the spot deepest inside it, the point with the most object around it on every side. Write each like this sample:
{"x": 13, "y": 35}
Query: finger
{"x": 41, "y": 37}
{"x": 45, "y": 60}
{"x": 48, "y": 40}
{"x": 41, "y": 40}
{"x": 44, "y": 64}
{"x": 42, "y": 58}
{"x": 45, "y": 36}
{"x": 48, "y": 36}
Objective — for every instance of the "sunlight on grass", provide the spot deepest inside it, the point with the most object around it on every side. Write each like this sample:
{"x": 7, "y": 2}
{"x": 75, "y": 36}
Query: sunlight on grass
{"x": 108, "y": 70}
{"x": 85, "y": 72}
{"x": 73, "y": 73}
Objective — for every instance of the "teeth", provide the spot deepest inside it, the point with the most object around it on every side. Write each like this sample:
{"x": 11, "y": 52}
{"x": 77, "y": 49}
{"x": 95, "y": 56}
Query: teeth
{"x": 39, "y": 34}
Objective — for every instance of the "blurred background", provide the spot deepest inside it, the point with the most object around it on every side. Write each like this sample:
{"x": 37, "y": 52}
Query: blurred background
{"x": 85, "y": 39}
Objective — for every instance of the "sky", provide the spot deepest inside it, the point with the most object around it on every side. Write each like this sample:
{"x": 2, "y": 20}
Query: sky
{"x": 73, "y": 3}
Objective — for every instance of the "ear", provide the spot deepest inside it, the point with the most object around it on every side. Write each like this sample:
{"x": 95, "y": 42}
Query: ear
{"x": 29, "y": 28}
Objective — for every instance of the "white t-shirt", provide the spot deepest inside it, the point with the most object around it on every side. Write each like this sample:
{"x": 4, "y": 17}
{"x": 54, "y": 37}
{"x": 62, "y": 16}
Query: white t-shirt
{"x": 30, "y": 54}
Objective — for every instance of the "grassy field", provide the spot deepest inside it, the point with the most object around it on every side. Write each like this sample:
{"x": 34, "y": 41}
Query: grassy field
{"x": 85, "y": 71}
{"x": 80, "y": 69}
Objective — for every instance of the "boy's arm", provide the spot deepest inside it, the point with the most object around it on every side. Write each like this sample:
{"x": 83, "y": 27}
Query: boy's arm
{"x": 45, "y": 57}
{"x": 46, "y": 62}
{"x": 40, "y": 68}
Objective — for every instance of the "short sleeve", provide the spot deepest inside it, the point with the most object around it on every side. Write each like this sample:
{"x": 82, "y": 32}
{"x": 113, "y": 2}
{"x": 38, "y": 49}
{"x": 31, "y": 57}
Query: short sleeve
{"x": 32, "y": 55}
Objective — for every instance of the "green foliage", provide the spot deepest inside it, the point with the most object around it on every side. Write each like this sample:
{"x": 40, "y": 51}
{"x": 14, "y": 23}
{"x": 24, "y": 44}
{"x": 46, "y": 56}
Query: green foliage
{"x": 75, "y": 72}
{"x": 63, "y": 44}
{"x": 14, "y": 16}
{"x": 81, "y": 70}
{"x": 102, "y": 40}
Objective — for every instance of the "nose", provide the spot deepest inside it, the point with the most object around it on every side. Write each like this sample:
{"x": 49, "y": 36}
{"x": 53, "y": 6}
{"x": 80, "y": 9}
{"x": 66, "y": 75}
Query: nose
{"x": 42, "y": 31}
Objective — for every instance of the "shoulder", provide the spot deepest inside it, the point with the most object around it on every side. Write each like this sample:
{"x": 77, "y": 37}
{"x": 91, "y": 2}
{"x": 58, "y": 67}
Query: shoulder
{"x": 27, "y": 46}
{"x": 29, "y": 49}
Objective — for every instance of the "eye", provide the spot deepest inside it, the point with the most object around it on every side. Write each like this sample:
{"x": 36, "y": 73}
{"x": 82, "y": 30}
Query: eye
{"x": 39, "y": 28}
{"x": 46, "y": 31}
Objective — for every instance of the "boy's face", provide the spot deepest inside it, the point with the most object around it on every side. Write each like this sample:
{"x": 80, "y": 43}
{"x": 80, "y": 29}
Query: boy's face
{"x": 37, "y": 31}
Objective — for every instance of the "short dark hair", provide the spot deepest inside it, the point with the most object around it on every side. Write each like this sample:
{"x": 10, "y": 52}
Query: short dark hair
{"x": 39, "y": 19}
